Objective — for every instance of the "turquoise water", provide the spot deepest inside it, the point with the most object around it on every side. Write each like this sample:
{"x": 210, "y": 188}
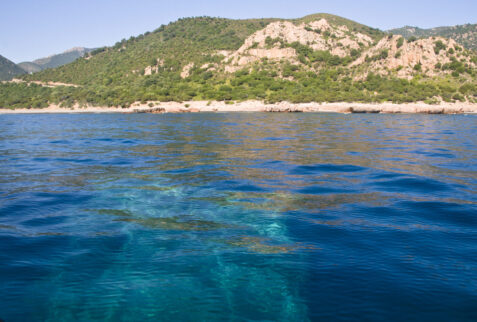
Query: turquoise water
{"x": 289, "y": 217}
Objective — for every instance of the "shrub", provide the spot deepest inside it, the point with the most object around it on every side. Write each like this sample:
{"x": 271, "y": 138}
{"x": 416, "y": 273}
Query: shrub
{"x": 432, "y": 101}
{"x": 354, "y": 53}
{"x": 458, "y": 97}
{"x": 400, "y": 42}
{"x": 467, "y": 88}
{"x": 382, "y": 55}
{"x": 438, "y": 46}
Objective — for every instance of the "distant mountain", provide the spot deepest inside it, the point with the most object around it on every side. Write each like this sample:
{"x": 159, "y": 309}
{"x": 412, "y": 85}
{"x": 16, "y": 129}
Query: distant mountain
{"x": 463, "y": 34}
{"x": 55, "y": 60}
{"x": 30, "y": 67}
{"x": 9, "y": 69}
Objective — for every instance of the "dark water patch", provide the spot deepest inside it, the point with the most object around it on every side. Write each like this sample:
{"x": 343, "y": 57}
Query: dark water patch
{"x": 180, "y": 171}
{"x": 74, "y": 160}
{"x": 323, "y": 168}
{"x": 248, "y": 188}
{"x": 318, "y": 190}
{"x": 279, "y": 139}
{"x": 379, "y": 176}
{"x": 45, "y": 221}
{"x": 60, "y": 142}
{"x": 458, "y": 214}
{"x": 417, "y": 185}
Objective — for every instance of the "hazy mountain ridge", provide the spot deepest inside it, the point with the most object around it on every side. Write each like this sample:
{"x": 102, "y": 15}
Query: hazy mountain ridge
{"x": 56, "y": 60}
{"x": 463, "y": 34}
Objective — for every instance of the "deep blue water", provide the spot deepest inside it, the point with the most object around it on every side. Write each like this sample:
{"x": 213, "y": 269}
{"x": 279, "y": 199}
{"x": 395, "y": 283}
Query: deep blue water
{"x": 289, "y": 217}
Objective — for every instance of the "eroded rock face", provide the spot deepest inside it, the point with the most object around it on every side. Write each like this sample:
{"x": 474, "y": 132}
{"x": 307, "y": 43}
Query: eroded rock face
{"x": 391, "y": 55}
{"x": 150, "y": 69}
{"x": 403, "y": 56}
{"x": 186, "y": 70}
{"x": 318, "y": 35}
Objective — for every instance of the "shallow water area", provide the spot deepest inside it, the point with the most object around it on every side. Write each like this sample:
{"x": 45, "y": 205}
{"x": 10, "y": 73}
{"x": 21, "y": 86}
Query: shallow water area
{"x": 238, "y": 216}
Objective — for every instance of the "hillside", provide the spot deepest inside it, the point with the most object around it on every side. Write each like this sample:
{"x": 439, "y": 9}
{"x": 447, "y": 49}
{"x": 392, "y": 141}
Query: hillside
{"x": 463, "y": 34}
{"x": 321, "y": 58}
{"x": 8, "y": 69}
{"x": 54, "y": 60}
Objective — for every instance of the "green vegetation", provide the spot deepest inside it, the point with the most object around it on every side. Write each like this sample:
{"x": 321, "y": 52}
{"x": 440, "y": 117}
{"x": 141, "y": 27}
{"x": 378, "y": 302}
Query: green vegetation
{"x": 400, "y": 42}
{"x": 308, "y": 56}
{"x": 382, "y": 55}
{"x": 329, "y": 85}
{"x": 21, "y": 95}
{"x": 438, "y": 46}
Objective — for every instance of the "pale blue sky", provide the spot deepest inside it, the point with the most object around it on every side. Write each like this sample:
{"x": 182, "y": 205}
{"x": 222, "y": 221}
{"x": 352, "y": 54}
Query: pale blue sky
{"x": 32, "y": 29}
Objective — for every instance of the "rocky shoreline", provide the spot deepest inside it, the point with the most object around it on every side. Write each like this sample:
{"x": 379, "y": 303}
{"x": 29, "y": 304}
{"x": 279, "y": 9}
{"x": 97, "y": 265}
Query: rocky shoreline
{"x": 258, "y": 106}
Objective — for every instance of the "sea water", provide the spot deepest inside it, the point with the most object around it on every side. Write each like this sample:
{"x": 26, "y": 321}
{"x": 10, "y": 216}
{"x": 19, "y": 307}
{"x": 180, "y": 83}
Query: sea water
{"x": 199, "y": 217}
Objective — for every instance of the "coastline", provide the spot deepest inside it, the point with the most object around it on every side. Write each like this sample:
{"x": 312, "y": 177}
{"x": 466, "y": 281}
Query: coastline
{"x": 259, "y": 106}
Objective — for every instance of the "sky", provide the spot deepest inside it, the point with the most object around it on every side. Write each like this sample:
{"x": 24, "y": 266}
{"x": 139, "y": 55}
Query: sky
{"x": 32, "y": 29}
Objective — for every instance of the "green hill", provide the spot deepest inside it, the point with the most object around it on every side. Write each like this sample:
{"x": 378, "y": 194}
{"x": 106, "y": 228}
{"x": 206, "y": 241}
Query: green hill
{"x": 316, "y": 58}
{"x": 8, "y": 69}
{"x": 463, "y": 34}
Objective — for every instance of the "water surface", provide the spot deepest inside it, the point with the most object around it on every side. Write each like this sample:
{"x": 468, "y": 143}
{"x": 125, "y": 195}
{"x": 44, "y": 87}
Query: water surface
{"x": 288, "y": 217}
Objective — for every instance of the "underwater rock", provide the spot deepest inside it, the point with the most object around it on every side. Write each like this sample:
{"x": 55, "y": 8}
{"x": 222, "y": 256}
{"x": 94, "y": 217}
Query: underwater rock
{"x": 259, "y": 245}
{"x": 113, "y": 212}
{"x": 176, "y": 223}
{"x": 183, "y": 223}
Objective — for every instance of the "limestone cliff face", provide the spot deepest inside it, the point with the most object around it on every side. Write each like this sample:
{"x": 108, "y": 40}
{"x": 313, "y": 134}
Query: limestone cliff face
{"x": 403, "y": 56}
{"x": 390, "y": 55}
{"x": 318, "y": 35}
